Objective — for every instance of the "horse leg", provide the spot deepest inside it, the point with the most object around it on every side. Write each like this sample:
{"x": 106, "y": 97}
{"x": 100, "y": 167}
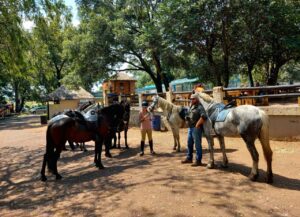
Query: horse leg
{"x": 96, "y": 154}
{"x": 107, "y": 143}
{"x": 175, "y": 135}
{"x": 115, "y": 141}
{"x": 125, "y": 137}
{"x": 268, "y": 156}
{"x": 119, "y": 138}
{"x": 71, "y": 145}
{"x": 177, "y": 138}
{"x": 43, "y": 176}
{"x": 254, "y": 154}
{"x": 99, "y": 143}
{"x": 222, "y": 146}
{"x": 210, "y": 142}
{"x": 56, "y": 157}
{"x": 84, "y": 147}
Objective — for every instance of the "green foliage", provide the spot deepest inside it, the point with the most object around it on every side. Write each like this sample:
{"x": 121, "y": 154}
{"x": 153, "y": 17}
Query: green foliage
{"x": 159, "y": 40}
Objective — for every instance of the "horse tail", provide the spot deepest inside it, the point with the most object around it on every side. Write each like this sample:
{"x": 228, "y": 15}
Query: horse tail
{"x": 265, "y": 142}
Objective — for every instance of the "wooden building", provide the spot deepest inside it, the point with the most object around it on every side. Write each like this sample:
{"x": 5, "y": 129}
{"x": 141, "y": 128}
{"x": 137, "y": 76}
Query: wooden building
{"x": 120, "y": 84}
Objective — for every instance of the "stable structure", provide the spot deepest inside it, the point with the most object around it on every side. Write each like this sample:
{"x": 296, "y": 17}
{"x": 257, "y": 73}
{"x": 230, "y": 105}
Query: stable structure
{"x": 63, "y": 99}
{"x": 184, "y": 84}
{"x": 120, "y": 84}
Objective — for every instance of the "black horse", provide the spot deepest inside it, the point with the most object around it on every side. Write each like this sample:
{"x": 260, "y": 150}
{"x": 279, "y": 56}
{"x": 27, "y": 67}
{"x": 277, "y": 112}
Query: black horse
{"x": 67, "y": 128}
{"x": 123, "y": 126}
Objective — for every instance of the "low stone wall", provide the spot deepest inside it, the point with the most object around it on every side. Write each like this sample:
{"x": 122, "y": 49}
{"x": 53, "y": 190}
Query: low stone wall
{"x": 284, "y": 121}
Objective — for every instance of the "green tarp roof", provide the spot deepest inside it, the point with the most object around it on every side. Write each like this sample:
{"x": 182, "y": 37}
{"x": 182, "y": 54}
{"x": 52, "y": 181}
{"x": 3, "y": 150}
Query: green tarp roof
{"x": 184, "y": 80}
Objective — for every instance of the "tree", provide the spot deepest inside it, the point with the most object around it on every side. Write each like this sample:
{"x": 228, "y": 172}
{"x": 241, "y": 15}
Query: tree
{"x": 122, "y": 36}
{"x": 283, "y": 38}
{"x": 52, "y": 22}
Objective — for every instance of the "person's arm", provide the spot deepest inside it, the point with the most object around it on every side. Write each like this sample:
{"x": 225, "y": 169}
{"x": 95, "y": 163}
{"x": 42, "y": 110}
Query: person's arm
{"x": 200, "y": 122}
{"x": 141, "y": 117}
{"x": 202, "y": 118}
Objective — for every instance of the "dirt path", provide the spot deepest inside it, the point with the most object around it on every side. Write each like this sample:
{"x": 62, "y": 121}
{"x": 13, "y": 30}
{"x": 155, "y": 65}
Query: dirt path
{"x": 142, "y": 186}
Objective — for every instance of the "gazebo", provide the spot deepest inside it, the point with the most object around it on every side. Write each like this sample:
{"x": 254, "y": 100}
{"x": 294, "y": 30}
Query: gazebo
{"x": 62, "y": 99}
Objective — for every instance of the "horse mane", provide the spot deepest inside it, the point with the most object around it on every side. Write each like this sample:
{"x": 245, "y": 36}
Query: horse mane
{"x": 207, "y": 98}
{"x": 164, "y": 104}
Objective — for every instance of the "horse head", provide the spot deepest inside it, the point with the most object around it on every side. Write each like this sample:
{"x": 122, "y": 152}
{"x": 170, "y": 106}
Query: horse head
{"x": 154, "y": 104}
{"x": 113, "y": 115}
{"x": 126, "y": 115}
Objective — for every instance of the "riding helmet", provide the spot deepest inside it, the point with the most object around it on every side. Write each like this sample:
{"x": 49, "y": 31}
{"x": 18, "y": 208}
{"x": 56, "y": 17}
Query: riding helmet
{"x": 145, "y": 104}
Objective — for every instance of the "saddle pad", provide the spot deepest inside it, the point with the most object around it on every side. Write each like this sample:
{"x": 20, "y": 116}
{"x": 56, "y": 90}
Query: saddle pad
{"x": 57, "y": 118}
{"x": 91, "y": 116}
{"x": 222, "y": 115}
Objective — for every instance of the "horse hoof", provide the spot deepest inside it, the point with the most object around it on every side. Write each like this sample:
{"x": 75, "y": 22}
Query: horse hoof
{"x": 43, "y": 179}
{"x": 127, "y": 147}
{"x": 210, "y": 166}
{"x": 269, "y": 179}
{"x": 58, "y": 177}
{"x": 178, "y": 150}
{"x": 253, "y": 177}
{"x": 108, "y": 155}
{"x": 174, "y": 148}
{"x": 101, "y": 167}
{"x": 224, "y": 165}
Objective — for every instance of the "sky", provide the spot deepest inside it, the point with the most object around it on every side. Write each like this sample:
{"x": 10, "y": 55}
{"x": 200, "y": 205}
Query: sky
{"x": 27, "y": 24}
{"x": 73, "y": 6}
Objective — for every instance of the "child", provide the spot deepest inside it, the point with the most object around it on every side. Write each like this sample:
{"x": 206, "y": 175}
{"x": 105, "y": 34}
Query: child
{"x": 145, "y": 118}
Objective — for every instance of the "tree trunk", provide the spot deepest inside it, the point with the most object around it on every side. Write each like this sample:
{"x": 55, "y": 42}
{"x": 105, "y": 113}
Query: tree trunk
{"x": 17, "y": 99}
{"x": 214, "y": 69}
{"x": 273, "y": 75}
{"x": 160, "y": 76}
{"x": 225, "y": 46}
{"x": 250, "y": 77}
{"x": 226, "y": 70}
{"x": 210, "y": 43}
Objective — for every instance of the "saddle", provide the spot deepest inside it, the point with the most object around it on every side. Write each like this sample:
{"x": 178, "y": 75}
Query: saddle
{"x": 219, "y": 112}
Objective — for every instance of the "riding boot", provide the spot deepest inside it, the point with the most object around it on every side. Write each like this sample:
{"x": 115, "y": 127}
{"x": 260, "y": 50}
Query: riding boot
{"x": 142, "y": 148}
{"x": 151, "y": 147}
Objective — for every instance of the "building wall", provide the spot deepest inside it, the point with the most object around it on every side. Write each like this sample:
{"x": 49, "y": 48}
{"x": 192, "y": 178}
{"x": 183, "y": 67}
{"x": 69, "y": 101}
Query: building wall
{"x": 62, "y": 106}
{"x": 119, "y": 86}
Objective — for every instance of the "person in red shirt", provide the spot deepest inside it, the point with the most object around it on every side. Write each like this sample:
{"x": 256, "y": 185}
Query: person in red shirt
{"x": 145, "y": 119}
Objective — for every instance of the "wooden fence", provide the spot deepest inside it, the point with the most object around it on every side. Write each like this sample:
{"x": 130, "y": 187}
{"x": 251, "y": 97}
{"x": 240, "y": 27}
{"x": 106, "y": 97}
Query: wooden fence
{"x": 259, "y": 96}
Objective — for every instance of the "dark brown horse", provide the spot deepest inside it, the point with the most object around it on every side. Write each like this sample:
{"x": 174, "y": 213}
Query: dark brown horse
{"x": 123, "y": 126}
{"x": 65, "y": 128}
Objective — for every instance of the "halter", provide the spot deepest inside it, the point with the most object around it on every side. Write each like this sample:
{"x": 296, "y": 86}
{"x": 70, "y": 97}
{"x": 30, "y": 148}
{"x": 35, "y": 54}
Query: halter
{"x": 153, "y": 104}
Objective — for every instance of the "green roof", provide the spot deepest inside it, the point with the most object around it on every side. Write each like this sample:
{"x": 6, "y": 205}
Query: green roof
{"x": 184, "y": 80}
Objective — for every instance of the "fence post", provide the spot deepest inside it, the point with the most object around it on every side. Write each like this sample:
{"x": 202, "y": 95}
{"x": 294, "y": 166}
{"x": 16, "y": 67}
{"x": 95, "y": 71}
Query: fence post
{"x": 140, "y": 99}
{"x": 105, "y": 99}
{"x": 218, "y": 94}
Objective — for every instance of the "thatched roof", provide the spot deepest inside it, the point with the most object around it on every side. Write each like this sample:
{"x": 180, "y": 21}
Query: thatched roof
{"x": 122, "y": 76}
{"x": 62, "y": 93}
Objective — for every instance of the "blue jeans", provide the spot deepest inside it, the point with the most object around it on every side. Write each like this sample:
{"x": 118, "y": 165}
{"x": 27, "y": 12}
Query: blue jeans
{"x": 194, "y": 137}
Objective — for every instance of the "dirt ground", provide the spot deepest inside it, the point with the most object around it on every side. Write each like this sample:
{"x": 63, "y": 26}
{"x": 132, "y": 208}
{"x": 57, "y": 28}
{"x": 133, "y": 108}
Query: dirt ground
{"x": 142, "y": 186}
